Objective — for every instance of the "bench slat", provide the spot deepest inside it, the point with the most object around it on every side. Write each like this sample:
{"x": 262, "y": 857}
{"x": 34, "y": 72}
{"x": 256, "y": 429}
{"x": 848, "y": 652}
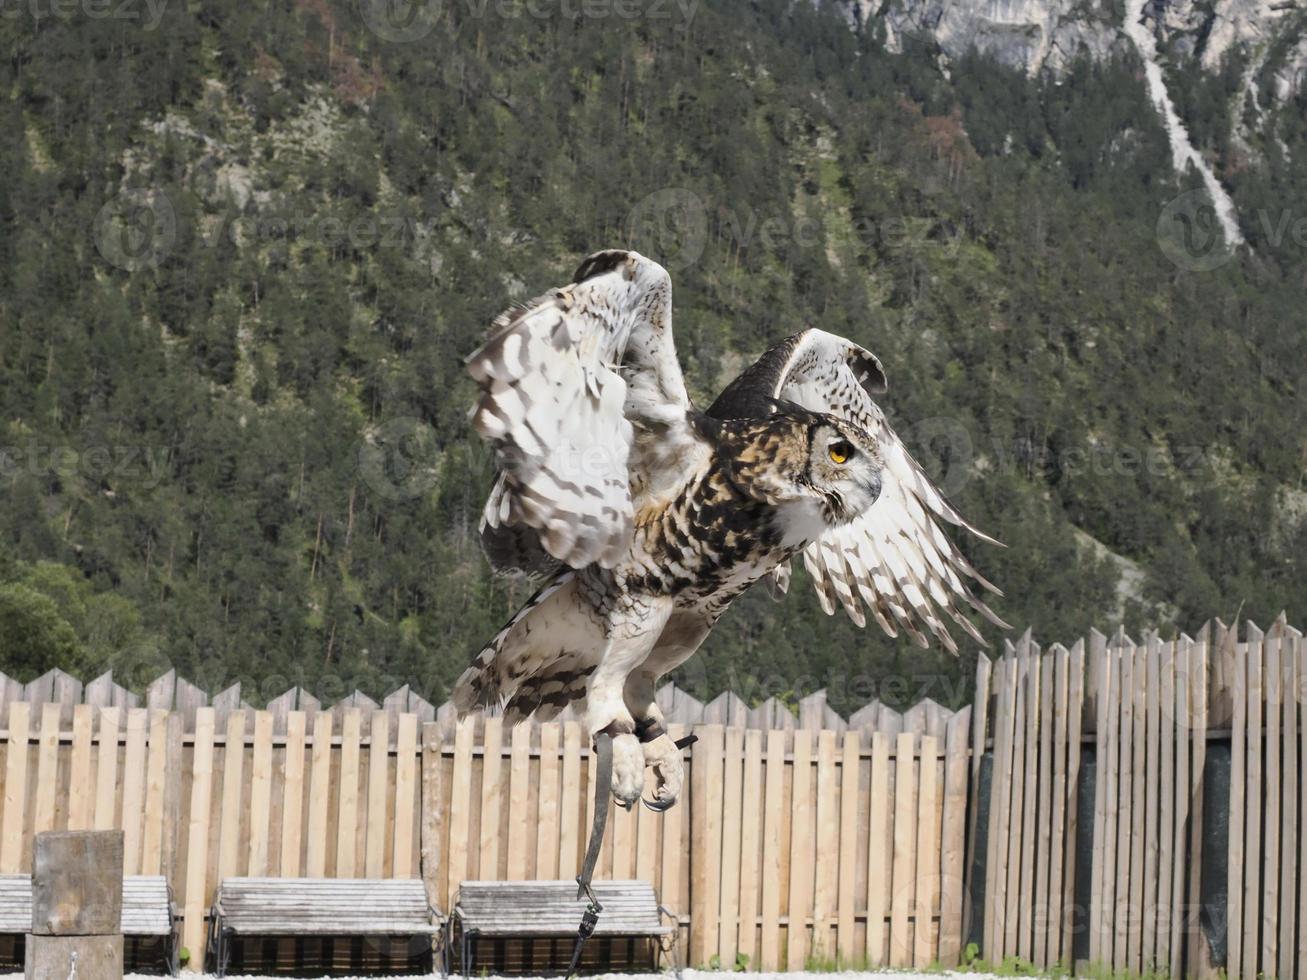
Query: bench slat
{"x": 325, "y": 906}
{"x": 309, "y": 927}
{"x": 551, "y": 908}
{"x": 146, "y": 908}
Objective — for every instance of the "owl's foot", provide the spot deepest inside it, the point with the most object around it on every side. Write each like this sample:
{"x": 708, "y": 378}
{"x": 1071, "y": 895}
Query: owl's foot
{"x": 628, "y": 769}
{"x": 664, "y": 757}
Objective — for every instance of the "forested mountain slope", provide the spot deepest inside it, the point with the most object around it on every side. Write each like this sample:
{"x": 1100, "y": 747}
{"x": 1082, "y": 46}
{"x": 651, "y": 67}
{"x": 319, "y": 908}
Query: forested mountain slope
{"x": 246, "y": 249}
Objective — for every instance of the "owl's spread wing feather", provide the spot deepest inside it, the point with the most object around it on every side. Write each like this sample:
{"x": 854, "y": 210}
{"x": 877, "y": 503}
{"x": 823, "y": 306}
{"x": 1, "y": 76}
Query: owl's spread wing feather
{"x": 894, "y": 559}
{"x": 563, "y": 379}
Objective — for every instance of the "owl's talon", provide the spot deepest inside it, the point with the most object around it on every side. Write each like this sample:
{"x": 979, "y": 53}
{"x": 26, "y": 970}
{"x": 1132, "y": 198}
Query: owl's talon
{"x": 664, "y": 757}
{"x": 628, "y": 770}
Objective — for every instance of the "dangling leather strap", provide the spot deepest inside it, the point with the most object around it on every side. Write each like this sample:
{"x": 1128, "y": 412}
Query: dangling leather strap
{"x": 603, "y": 781}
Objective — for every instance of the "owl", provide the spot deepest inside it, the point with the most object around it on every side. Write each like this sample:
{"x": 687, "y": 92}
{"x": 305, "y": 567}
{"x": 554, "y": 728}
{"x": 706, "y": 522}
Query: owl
{"x": 647, "y": 517}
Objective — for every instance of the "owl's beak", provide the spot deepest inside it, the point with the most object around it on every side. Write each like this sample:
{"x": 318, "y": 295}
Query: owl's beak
{"x": 874, "y": 486}
{"x": 871, "y": 485}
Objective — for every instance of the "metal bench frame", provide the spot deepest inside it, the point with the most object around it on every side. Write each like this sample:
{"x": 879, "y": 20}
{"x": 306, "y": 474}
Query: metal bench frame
{"x": 617, "y": 896}
{"x": 269, "y": 891}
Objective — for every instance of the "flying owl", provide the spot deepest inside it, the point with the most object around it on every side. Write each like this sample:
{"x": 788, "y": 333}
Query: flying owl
{"x": 649, "y": 517}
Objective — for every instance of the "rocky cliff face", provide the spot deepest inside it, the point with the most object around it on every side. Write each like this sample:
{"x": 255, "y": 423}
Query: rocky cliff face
{"x": 1269, "y": 36}
{"x": 1034, "y": 34}
{"x": 1208, "y": 29}
{"x": 1028, "y": 34}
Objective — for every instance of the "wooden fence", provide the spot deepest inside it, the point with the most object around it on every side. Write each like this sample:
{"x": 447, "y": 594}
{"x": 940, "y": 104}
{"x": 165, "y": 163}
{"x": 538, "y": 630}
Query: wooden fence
{"x": 856, "y": 853}
{"x": 1186, "y": 756}
{"x": 1125, "y": 804}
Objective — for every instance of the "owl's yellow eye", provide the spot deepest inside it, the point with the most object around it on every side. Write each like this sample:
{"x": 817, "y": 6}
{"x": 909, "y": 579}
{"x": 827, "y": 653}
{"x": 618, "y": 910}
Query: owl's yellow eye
{"x": 840, "y": 451}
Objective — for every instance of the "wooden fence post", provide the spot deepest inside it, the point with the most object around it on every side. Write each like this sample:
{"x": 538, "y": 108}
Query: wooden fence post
{"x": 196, "y": 895}
{"x": 706, "y": 843}
{"x": 432, "y": 772}
{"x": 978, "y": 748}
{"x": 953, "y": 839}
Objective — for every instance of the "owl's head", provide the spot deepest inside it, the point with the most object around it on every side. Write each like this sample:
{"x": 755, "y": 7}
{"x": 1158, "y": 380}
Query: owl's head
{"x": 818, "y": 470}
{"x": 844, "y": 469}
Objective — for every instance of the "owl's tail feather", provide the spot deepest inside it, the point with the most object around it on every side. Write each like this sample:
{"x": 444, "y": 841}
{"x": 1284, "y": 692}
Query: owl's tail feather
{"x": 540, "y": 661}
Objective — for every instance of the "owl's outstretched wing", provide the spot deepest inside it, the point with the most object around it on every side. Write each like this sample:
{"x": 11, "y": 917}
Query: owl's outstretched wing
{"x": 563, "y": 380}
{"x": 895, "y": 558}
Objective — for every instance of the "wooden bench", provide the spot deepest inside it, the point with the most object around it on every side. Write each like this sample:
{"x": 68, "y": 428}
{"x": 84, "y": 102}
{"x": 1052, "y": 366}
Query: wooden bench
{"x": 148, "y": 922}
{"x": 495, "y": 913}
{"x": 375, "y": 910}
